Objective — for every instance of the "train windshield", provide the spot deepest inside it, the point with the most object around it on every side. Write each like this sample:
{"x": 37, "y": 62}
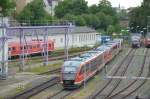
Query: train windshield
{"x": 69, "y": 69}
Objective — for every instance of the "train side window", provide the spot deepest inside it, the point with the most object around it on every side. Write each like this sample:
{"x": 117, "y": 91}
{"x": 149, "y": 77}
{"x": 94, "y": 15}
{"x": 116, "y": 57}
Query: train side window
{"x": 38, "y": 46}
{"x": 100, "y": 59}
{"x": 21, "y": 48}
{"x": 34, "y": 46}
{"x": 82, "y": 70}
{"x": 93, "y": 65}
{"x": 87, "y": 66}
{"x": 30, "y": 46}
{"x": 9, "y": 49}
{"x": 50, "y": 45}
{"x": 25, "y": 47}
{"x": 13, "y": 48}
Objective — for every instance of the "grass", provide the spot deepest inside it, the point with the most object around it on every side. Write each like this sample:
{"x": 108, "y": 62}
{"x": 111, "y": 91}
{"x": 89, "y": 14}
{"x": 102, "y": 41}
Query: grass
{"x": 42, "y": 68}
{"x": 90, "y": 87}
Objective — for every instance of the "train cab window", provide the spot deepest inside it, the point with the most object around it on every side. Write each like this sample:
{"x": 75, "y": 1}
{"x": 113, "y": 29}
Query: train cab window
{"x": 69, "y": 69}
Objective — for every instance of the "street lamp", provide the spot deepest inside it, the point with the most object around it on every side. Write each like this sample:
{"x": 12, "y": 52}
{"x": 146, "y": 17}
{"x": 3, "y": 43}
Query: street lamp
{"x": 137, "y": 29}
{"x": 144, "y": 30}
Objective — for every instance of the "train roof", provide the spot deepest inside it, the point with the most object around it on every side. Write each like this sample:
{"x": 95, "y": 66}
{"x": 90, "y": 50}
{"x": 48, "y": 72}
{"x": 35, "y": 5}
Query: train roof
{"x": 76, "y": 61}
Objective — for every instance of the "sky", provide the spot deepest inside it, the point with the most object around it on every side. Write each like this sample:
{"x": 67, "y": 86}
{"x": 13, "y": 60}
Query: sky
{"x": 115, "y": 3}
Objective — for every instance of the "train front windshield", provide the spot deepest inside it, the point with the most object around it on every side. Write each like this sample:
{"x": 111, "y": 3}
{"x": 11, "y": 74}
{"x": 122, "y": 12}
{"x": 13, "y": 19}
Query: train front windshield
{"x": 69, "y": 73}
{"x": 69, "y": 69}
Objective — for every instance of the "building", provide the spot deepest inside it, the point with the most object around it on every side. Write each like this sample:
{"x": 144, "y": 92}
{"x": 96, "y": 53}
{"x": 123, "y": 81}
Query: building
{"x": 20, "y": 4}
{"x": 78, "y": 37}
{"x": 49, "y": 5}
{"x": 124, "y": 22}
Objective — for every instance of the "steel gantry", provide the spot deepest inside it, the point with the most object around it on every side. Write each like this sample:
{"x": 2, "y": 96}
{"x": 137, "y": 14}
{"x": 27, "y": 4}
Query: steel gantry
{"x": 3, "y": 49}
{"x": 41, "y": 31}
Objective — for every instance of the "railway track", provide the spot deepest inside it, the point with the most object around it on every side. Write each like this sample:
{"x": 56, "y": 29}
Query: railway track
{"x": 51, "y": 58}
{"x": 37, "y": 89}
{"x": 54, "y": 71}
{"x": 61, "y": 94}
{"x": 134, "y": 82}
{"x": 120, "y": 70}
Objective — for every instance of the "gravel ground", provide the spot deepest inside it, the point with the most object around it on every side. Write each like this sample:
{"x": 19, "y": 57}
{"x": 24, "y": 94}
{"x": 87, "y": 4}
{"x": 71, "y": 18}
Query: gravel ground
{"x": 20, "y": 82}
{"x": 133, "y": 69}
{"x": 14, "y": 70}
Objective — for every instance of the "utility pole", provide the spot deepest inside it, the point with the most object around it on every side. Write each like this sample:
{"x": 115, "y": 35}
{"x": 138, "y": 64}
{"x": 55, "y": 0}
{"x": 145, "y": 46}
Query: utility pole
{"x": 148, "y": 23}
{"x": 3, "y": 50}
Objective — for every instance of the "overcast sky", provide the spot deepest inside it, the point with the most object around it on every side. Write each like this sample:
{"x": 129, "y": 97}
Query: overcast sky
{"x": 123, "y": 3}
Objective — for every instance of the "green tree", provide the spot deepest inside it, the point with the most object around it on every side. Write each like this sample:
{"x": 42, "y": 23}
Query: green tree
{"x": 6, "y": 6}
{"x": 75, "y": 7}
{"x": 104, "y": 3}
{"x": 79, "y": 20}
{"x": 138, "y": 15}
{"x": 110, "y": 30}
{"x": 93, "y": 9}
{"x": 34, "y": 12}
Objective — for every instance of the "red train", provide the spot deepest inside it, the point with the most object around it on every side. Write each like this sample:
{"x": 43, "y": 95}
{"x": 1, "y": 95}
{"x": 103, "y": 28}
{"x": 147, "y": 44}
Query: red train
{"x": 30, "y": 47}
{"x": 147, "y": 40}
{"x": 76, "y": 70}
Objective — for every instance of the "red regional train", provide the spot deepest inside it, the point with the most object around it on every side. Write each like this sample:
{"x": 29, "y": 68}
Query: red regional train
{"x": 79, "y": 69}
{"x": 32, "y": 47}
{"x": 147, "y": 40}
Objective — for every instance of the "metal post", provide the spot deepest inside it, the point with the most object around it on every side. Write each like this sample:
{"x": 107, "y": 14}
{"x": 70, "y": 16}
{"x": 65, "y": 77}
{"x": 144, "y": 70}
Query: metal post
{"x": 85, "y": 77}
{"x": 66, "y": 42}
{"x": 46, "y": 47}
{"x": 148, "y": 24}
{"x": 21, "y": 50}
{"x": 4, "y": 69}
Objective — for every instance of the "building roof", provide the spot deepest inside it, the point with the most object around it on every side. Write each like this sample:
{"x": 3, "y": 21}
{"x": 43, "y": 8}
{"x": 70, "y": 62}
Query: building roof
{"x": 54, "y": 31}
{"x": 81, "y": 29}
